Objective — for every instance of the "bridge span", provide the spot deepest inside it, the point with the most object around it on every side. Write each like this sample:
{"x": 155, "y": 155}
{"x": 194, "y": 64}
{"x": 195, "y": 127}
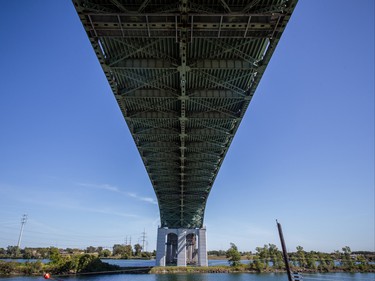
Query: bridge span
{"x": 183, "y": 74}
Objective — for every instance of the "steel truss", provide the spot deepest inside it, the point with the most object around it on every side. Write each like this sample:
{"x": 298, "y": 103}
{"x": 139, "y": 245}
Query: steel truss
{"x": 183, "y": 73}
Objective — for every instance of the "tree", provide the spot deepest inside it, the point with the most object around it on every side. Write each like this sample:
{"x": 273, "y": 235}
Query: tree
{"x": 262, "y": 255}
{"x": 137, "y": 249}
{"x": 347, "y": 260}
{"x": 84, "y": 262}
{"x": 125, "y": 251}
{"x": 259, "y": 259}
{"x": 69, "y": 250}
{"x": 233, "y": 255}
{"x": 311, "y": 260}
{"x": 301, "y": 257}
{"x": 118, "y": 249}
{"x": 322, "y": 259}
{"x": 43, "y": 253}
{"x": 276, "y": 256}
{"x": 28, "y": 253}
{"x": 346, "y": 250}
{"x": 105, "y": 253}
{"x": 90, "y": 250}
{"x": 13, "y": 251}
{"x": 54, "y": 255}
{"x": 216, "y": 253}
{"x": 2, "y": 251}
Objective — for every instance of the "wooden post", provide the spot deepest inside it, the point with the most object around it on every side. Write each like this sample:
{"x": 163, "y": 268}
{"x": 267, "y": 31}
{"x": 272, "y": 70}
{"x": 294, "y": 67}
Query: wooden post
{"x": 285, "y": 254}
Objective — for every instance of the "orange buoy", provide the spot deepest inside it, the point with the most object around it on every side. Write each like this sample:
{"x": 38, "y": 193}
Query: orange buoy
{"x": 47, "y": 276}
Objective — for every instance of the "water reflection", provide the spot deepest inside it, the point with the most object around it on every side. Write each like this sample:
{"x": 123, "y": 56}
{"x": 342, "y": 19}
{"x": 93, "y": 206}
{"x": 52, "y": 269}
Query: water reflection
{"x": 182, "y": 277}
{"x": 221, "y": 277}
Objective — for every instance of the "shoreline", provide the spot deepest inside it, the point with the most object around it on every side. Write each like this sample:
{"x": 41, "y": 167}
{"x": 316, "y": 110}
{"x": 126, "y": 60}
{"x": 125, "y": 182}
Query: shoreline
{"x": 244, "y": 269}
{"x": 20, "y": 270}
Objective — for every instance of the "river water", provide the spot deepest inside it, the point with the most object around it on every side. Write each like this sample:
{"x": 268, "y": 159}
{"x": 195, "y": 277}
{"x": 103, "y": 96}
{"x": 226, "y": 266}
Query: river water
{"x": 129, "y": 263}
{"x": 206, "y": 277}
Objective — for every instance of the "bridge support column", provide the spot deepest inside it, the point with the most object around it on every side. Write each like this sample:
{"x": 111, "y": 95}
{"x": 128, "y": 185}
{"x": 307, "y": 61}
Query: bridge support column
{"x": 161, "y": 246}
{"x": 182, "y": 251}
{"x": 181, "y": 247}
{"x": 202, "y": 248}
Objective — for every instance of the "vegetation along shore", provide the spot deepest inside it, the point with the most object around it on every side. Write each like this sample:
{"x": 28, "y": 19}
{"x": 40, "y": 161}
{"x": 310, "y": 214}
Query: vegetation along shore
{"x": 266, "y": 259}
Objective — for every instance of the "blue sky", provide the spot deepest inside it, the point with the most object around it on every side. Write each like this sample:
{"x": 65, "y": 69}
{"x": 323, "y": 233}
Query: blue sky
{"x": 304, "y": 153}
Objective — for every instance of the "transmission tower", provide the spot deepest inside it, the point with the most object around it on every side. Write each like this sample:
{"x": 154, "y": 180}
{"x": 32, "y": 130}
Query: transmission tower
{"x": 23, "y": 221}
{"x": 143, "y": 239}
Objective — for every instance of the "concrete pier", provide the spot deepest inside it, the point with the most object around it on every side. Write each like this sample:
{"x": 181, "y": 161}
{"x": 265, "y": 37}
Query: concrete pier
{"x": 181, "y": 247}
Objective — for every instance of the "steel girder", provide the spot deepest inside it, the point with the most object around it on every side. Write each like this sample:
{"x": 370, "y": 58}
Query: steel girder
{"x": 183, "y": 73}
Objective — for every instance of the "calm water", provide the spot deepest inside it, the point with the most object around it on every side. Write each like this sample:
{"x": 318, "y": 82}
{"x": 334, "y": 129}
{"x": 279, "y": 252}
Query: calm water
{"x": 208, "y": 277}
{"x": 128, "y": 263}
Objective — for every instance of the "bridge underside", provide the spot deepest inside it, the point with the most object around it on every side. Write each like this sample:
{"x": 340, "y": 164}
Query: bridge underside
{"x": 183, "y": 73}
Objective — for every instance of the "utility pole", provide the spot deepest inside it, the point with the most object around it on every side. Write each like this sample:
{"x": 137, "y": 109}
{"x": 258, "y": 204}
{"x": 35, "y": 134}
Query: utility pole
{"x": 285, "y": 254}
{"x": 23, "y": 221}
{"x": 143, "y": 239}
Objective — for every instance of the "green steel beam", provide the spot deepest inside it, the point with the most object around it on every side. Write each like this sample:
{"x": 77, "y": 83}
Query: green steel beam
{"x": 183, "y": 74}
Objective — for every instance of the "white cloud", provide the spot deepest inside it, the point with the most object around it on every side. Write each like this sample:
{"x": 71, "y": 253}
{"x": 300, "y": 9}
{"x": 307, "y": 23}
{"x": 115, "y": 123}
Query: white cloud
{"x": 145, "y": 199}
{"x": 116, "y": 189}
{"x": 107, "y": 212}
{"x": 100, "y": 186}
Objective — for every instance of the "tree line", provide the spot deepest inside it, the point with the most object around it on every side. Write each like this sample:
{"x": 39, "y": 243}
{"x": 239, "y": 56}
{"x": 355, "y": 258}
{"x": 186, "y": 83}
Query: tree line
{"x": 270, "y": 258}
{"x": 58, "y": 264}
{"x": 265, "y": 259}
{"x": 118, "y": 251}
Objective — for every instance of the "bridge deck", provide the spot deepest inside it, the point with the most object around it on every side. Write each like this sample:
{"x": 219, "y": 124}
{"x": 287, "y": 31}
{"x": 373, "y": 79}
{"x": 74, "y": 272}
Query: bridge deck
{"x": 183, "y": 73}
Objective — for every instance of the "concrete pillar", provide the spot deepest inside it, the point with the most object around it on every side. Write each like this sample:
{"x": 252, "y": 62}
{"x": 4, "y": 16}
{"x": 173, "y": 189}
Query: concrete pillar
{"x": 161, "y": 247}
{"x": 202, "y": 248}
{"x": 181, "y": 247}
